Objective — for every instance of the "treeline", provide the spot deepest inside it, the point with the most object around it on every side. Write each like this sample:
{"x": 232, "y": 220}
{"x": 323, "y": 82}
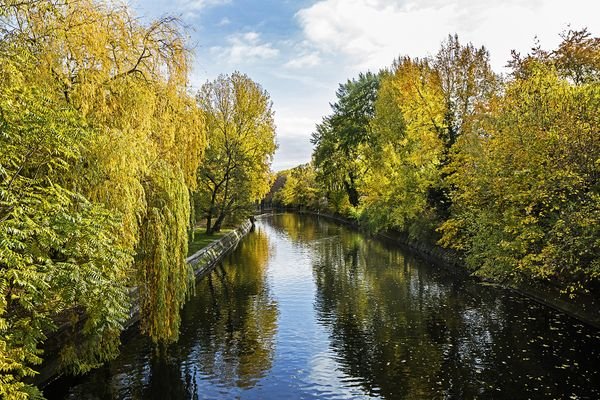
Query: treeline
{"x": 503, "y": 169}
{"x": 106, "y": 162}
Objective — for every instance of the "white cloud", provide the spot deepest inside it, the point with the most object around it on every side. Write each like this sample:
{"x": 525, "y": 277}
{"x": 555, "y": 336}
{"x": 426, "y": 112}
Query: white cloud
{"x": 295, "y": 125}
{"x": 197, "y": 5}
{"x": 245, "y": 48}
{"x": 339, "y": 38}
{"x": 223, "y": 22}
{"x": 305, "y": 60}
{"x": 371, "y": 33}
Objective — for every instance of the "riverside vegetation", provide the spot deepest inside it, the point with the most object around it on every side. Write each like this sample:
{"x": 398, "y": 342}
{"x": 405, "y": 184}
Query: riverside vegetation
{"x": 503, "y": 169}
{"x": 107, "y": 160}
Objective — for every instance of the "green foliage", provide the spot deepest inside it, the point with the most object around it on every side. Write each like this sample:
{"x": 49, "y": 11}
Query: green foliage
{"x": 405, "y": 161}
{"x": 241, "y": 141}
{"x": 99, "y": 148}
{"x": 339, "y": 136}
{"x": 467, "y": 83}
{"x": 530, "y": 207}
{"x": 300, "y": 188}
{"x": 506, "y": 173}
{"x": 58, "y": 255}
{"x": 165, "y": 277}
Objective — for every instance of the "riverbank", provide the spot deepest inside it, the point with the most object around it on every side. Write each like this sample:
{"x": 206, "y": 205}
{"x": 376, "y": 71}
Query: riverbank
{"x": 202, "y": 261}
{"x": 309, "y": 308}
{"x": 206, "y": 258}
{"x": 585, "y": 308}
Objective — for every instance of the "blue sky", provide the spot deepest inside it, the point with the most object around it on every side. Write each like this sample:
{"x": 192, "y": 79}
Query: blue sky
{"x": 299, "y": 51}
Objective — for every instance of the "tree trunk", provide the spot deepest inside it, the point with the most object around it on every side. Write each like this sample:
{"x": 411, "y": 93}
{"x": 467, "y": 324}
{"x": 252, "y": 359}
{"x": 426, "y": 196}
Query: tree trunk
{"x": 225, "y": 210}
{"x": 351, "y": 191}
{"x": 209, "y": 215}
{"x": 218, "y": 223}
{"x": 208, "y": 222}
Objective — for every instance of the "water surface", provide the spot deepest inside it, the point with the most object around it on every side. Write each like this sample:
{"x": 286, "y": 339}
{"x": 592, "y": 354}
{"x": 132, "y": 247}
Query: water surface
{"x": 307, "y": 309}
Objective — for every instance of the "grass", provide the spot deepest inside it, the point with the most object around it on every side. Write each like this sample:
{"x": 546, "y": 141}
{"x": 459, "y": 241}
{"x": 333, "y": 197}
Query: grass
{"x": 201, "y": 239}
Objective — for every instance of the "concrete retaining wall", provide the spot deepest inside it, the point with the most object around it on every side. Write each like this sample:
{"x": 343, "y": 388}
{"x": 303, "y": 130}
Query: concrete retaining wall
{"x": 205, "y": 259}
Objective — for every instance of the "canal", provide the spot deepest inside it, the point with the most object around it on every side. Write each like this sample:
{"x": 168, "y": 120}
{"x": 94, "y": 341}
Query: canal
{"x": 305, "y": 308}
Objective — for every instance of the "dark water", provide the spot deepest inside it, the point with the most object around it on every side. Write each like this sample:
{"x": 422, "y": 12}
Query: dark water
{"x": 305, "y": 308}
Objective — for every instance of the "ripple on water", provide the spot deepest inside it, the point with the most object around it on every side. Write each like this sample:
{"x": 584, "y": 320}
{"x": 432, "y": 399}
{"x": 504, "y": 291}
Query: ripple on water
{"x": 309, "y": 309}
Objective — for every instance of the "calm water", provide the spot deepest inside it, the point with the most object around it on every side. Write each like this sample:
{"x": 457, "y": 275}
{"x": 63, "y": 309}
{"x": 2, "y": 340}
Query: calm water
{"x": 305, "y": 308}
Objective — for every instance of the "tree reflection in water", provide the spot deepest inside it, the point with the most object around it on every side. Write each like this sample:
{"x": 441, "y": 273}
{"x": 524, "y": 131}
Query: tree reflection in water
{"x": 235, "y": 341}
{"x": 306, "y": 308}
{"x": 227, "y": 337}
{"x": 405, "y": 329}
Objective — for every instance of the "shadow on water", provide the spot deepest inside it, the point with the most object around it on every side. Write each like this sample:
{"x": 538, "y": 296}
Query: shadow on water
{"x": 306, "y": 308}
{"x": 226, "y": 340}
{"x": 408, "y": 330}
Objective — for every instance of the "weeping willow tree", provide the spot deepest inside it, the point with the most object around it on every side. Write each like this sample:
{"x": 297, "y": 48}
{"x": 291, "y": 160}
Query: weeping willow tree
{"x": 165, "y": 277}
{"x": 99, "y": 147}
{"x": 59, "y": 259}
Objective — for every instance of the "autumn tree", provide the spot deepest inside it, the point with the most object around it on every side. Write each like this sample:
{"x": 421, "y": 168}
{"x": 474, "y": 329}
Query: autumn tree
{"x": 526, "y": 202}
{"x": 58, "y": 252}
{"x": 425, "y": 112}
{"x": 467, "y": 82}
{"x": 273, "y": 197}
{"x": 100, "y": 144}
{"x": 578, "y": 57}
{"x": 241, "y": 142}
{"x": 404, "y": 160}
{"x": 300, "y": 188}
{"x": 338, "y": 137}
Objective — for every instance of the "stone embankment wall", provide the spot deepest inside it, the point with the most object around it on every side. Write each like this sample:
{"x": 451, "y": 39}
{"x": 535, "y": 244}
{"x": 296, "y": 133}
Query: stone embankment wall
{"x": 205, "y": 259}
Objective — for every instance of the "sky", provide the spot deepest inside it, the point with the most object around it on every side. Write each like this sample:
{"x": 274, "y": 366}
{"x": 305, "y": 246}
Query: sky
{"x": 300, "y": 51}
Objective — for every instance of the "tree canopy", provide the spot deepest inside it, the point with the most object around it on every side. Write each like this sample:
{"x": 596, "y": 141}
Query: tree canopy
{"x": 338, "y": 137}
{"x": 241, "y": 142}
{"x": 502, "y": 169}
{"x": 100, "y": 148}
